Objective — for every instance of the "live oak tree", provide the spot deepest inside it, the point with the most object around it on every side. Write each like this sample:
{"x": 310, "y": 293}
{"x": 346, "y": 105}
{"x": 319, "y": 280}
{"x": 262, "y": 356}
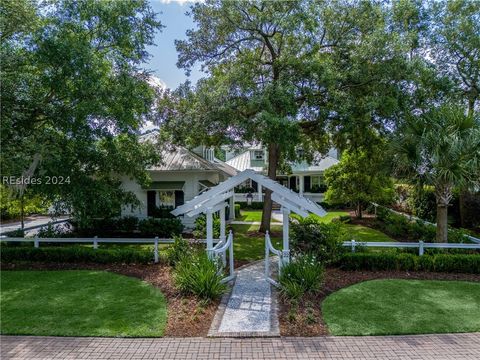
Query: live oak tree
{"x": 440, "y": 148}
{"x": 73, "y": 95}
{"x": 285, "y": 74}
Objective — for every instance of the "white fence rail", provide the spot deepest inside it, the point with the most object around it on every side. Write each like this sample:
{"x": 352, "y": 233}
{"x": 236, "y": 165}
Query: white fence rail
{"x": 420, "y": 245}
{"x": 96, "y": 240}
{"x": 411, "y": 217}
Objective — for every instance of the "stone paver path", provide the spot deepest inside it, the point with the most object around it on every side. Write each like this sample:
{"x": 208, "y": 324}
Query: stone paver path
{"x": 419, "y": 347}
{"x": 250, "y": 310}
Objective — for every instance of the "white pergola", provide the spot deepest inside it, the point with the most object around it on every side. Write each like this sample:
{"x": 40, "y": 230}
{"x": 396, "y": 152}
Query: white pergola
{"x": 213, "y": 200}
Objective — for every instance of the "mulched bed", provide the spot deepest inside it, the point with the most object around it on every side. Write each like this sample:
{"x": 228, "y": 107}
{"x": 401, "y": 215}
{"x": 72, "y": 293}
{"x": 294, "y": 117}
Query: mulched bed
{"x": 187, "y": 316}
{"x": 305, "y": 318}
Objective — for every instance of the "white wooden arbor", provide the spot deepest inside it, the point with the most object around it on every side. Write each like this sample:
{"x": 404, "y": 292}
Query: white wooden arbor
{"x": 213, "y": 200}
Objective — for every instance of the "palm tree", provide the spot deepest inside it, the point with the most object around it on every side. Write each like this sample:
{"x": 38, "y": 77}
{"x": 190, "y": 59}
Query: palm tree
{"x": 440, "y": 148}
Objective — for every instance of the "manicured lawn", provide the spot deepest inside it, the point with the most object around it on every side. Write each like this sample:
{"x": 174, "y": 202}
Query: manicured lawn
{"x": 252, "y": 215}
{"x": 248, "y": 244}
{"x": 330, "y": 216}
{"x": 382, "y": 307}
{"x": 79, "y": 303}
{"x": 364, "y": 234}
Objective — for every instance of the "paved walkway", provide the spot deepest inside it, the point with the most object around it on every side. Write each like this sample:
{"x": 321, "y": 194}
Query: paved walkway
{"x": 428, "y": 347}
{"x": 31, "y": 222}
{"x": 250, "y": 309}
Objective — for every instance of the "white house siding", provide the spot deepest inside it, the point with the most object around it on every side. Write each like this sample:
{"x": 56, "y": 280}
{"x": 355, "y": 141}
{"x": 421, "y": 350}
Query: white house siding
{"x": 190, "y": 189}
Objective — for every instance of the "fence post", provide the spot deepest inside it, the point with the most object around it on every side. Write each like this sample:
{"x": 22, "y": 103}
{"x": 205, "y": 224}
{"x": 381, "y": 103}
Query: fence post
{"x": 353, "y": 245}
{"x": 267, "y": 255}
{"x": 230, "y": 254}
{"x": 155, "y": 250}
{"x": 420, "y": 247}
{"x": 36, "y": 243}
{"x": 95, "y": 242}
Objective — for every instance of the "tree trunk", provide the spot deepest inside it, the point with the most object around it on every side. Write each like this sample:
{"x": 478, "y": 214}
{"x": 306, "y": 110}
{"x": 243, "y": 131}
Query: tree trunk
{"x": 273, "y": 155}
{"x": 22, "y": 212}
{"x": 442, "y": 225}
{"x": 359, "y": 210}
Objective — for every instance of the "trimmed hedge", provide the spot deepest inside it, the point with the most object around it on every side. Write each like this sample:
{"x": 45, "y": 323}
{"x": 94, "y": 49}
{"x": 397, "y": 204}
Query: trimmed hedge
{"x": 409, "y": 262}
{"x": 237, "y": 211}
{"x": 75, "y": 254}
{"x": 256, "y": 205}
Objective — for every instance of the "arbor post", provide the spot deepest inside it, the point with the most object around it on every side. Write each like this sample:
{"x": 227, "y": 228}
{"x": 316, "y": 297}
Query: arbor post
{"x": 286, "y": 241}
{"x": 209, "y": 224}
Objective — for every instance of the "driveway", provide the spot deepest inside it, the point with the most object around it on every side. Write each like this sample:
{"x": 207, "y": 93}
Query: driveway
{"x": 438, "y": 347}
{"x": 31, "y": 222}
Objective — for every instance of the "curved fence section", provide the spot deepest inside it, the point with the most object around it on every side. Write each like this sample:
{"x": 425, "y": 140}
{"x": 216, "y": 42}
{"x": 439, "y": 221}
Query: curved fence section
{"x": 270, "y": 249}
{"x": 220, "y": 252}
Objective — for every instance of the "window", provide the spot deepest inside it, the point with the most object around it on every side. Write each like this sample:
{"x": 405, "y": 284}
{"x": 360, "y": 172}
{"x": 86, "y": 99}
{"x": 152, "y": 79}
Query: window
{"x": 316, "y": 181}
{"x": 258, "y": 155}
{"x": 166, "y": 198}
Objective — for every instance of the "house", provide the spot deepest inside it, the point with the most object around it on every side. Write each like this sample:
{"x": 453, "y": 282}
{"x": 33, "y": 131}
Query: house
{"x": 182, "y": 175}
{"x": 304, "y": 178}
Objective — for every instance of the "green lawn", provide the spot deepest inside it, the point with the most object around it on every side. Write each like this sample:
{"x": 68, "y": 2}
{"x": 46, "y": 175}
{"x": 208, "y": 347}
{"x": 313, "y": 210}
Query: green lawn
{"x": 330, "y": 216}
{"x": 382, "y": 307}
{"x": 250, "y": 245}
{"x": 79, "y": 303}
{"x": 364, "y": 234}
{"x": 252, "y": 215}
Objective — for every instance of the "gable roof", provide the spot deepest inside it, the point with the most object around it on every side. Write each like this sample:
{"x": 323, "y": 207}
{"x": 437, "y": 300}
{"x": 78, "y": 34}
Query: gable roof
{"x": 280, "y": 194}
{"x": 242, "y": 162}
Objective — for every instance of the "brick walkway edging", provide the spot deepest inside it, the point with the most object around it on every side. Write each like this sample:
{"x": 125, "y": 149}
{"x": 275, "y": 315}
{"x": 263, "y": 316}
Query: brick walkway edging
{"x": 418, "y": 347}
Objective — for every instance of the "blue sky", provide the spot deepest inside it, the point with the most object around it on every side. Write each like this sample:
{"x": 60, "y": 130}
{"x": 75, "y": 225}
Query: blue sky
{"x": 164, "y": 55}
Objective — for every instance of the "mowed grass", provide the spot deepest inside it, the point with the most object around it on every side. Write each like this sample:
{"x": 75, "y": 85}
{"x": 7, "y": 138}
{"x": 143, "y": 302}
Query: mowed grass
{"x": 252, "y": 216}
{"x": 390, "y": 307}
{"x": 363, "y": 234}
{"x": 79, "y": 303}
{"x": 249, "y": 244}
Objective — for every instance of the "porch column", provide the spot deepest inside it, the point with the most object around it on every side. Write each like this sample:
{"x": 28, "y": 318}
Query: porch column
{"x": 209, "y": 232}
{"x": 232, "y": 207}
{"x": 260, "y": 194}
{"x": 301, "y": 184}
{"x": 286, "y": 242}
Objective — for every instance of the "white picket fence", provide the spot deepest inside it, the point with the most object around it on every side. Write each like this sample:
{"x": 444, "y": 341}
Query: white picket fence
{"x": 95, "y": 241}
{"x": 411, "y": 217}
{"x": 420, "y": 245}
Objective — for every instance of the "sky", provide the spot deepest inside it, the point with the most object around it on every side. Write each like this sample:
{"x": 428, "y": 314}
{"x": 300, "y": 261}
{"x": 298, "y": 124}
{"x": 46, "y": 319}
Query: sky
{"x": 164, "y": 55}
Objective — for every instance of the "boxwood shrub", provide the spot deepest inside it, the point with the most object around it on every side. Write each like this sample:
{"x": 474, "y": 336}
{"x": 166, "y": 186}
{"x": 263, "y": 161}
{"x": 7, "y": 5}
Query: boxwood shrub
{"x": 454, "y": 263}
{"x": 75, "y": 254}
{"x": 255, "y": 205}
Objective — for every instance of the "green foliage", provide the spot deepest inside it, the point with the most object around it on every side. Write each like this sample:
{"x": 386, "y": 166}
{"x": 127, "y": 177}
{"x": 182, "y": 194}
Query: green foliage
{"x": 455, "y": 263}
{"x": 200, "y": 276}
{"x": 237, "y": 211}
{"x": 399, "y": 226}
{"x": 73, "y": 96}
{"x": 75, "y": 254}
{"x": 178, "y": 250}
{"x": 10, "y": 204}
{"x": 160, "y": 227}
{"x": 423, "y": 203}
{"x": 126, "y": 223}
{"x": 310, "y": 235}
{"x": 55, "y": 231}
{"x": 163, "y": 212}
{"x": 303, "y": 275}
{"x": 201, "y": 227}
{"x": 255, "y": 205}
{"x": 350, "y": 182}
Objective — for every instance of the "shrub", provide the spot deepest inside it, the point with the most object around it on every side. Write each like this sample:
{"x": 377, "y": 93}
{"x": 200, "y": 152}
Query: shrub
{"x": 200, "y": 276}
{"x": 163, "y": 212}
{"x": 308, "y": 235}
{"x": 55, "y": 231}
{"x": 255, "y": 205}
{"x": 76, "y": 254}
{"x": 201, "y": 226}
{"x": 409, "y": 262}
{"x": 178, "y": 250}
{"x": 160, "y": 227}
{"x": 127, "y": 223}
{"x": 304, "y": 274}
{"x": 19, "y": 233}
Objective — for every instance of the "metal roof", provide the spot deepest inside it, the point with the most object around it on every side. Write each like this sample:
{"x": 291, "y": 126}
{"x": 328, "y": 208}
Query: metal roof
{"x": 242, "y": 162}
{"x": 165, "y": 185}
{"x": 317, "y": 166}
